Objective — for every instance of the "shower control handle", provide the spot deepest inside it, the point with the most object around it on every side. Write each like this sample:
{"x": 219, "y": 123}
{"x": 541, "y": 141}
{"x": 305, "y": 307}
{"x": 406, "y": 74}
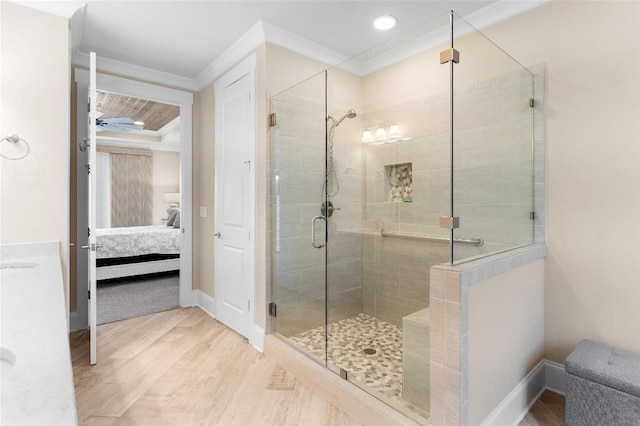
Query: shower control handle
{"x": 313, "y": 232}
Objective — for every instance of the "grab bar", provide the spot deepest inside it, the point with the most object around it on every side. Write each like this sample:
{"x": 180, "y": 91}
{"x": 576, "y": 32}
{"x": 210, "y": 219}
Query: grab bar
{"x": 479, "y": 241}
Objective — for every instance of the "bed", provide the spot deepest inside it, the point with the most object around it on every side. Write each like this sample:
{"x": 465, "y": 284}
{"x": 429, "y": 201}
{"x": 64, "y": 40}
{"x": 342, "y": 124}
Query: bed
{"x": 137, "y": 250}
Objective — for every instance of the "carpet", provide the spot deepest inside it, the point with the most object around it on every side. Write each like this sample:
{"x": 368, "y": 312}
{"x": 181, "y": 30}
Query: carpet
{"x": 131, "y": 297}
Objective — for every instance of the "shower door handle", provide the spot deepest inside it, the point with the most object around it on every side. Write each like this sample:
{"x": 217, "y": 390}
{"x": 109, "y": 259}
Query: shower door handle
{"x": 313, "y": 232}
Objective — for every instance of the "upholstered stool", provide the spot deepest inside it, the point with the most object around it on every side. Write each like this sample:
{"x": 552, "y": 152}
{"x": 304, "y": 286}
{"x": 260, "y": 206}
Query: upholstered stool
{"x": 603, "y": 385}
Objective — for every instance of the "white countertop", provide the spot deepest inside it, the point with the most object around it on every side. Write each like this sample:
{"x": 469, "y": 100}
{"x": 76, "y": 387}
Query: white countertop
{"x": 38, "y": 388}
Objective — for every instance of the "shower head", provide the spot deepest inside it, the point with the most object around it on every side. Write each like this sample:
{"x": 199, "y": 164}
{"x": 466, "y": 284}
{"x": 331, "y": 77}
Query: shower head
{"x": 350, "y": 114}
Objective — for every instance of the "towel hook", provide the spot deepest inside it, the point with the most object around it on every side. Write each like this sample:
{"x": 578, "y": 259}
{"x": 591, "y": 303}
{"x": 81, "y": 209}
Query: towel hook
{"x": 14, "y": 139}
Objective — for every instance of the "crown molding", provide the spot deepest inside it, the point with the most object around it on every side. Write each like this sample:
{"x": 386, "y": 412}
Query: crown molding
{"x": 135, "y": 71}
{"x": 265, "y": 32}
{"x": 65, "y": 9}
{"x": 298, "y": 44}
{"x": 499, "y": 11}
{"x": 483, "y": 18}
{"x": 242, "y": 47}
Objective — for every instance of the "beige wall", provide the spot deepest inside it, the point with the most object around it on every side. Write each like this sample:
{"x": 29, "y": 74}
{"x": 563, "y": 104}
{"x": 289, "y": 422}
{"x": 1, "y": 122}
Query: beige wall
{"x": 35, "y": 106}
{"x": 593, "y": 178}
{"x": 203, "y": 163}
{"x": 166, "y": 178}
{"x": 506, "y": 335}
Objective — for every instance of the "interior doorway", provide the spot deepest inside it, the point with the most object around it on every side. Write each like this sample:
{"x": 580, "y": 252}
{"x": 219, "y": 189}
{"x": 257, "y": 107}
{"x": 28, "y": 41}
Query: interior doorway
{"x": 143, "y": 248}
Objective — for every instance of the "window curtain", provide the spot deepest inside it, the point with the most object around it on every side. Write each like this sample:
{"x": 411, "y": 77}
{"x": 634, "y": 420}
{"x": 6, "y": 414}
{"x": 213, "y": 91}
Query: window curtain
{"x": 131, "y": 186}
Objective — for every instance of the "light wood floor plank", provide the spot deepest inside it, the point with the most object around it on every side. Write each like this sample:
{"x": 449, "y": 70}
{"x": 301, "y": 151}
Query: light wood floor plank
{"x": 182, "y": 367}
{"x": 547, "y": 411}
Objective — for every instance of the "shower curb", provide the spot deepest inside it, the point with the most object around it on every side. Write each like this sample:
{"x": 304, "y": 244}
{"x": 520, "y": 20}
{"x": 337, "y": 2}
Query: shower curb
{"x": 365, "y": 408}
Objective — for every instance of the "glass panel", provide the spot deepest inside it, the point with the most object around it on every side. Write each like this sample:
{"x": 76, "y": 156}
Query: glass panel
{"x": 298, "y": 157}
{"x": 387, "y": 160}
{"x": 493, "y": 156}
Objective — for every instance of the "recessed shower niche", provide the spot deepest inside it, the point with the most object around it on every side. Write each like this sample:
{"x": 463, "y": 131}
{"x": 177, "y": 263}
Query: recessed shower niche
{"x": 352, "y": 291}
{"x": 400, "y": 179}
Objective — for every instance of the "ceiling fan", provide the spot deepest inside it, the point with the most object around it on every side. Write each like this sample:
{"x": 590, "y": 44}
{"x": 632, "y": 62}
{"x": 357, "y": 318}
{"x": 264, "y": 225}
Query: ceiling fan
{"x": 118, "y": 124}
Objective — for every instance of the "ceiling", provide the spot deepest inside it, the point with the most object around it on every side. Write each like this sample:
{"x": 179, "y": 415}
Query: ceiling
{"x": 182, "y": 38}
{"x": 154, "y": 115}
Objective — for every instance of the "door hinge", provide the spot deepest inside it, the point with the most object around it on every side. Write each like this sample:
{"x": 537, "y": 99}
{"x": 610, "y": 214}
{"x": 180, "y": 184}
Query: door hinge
{"x": 88, "y": 169}
{"x": 272, "y": 119}
{"x": 273, "y": 310}
{"x": 89, "y": 106}
{"x": 88, "y": 232}
{"x": 532, "y": 102}
{"x": 89, "y": 292}
{"x": 248, "y": 305}
{"x": 532, "y": 215}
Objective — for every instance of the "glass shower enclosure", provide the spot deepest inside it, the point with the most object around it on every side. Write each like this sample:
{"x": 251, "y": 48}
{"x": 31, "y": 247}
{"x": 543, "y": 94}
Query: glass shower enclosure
{"x": 415, "y": 153}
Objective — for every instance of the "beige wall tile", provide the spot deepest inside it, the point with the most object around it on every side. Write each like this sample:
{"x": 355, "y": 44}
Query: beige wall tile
{"x": 437, "y": 331}
{"x": 437, "y": 283}
{"x": 452, "y": 286}
{"x": 437, "y": 394}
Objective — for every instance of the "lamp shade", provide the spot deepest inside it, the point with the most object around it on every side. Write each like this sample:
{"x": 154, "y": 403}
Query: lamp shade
{"x": 171, "y": 197}
{"x": 394, "y": 131}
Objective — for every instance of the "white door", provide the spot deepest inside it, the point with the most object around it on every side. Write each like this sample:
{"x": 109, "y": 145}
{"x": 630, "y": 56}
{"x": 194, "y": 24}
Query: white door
{"x": 234, "y": 201}
{"x": 93, "y": 294}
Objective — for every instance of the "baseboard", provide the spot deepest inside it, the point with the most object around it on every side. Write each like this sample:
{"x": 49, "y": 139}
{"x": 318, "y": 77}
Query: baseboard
{"x": 517, "y": 404}
{"x": 257, "y": 339}
{"x": 554, "y": 377}
{"x": 205, "y": 302}
{"x": 547, "y": 375}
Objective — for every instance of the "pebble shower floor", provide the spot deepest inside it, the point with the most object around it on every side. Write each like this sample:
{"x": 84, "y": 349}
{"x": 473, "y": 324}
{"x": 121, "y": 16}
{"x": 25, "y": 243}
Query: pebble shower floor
{"x": 348, "y": 339}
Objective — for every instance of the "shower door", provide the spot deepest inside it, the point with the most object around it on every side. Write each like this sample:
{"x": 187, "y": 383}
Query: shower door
{"x": 298, "y": 227}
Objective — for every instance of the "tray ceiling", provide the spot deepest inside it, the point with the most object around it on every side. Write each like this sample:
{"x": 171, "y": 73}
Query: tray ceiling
{"x": 155, "y": 115}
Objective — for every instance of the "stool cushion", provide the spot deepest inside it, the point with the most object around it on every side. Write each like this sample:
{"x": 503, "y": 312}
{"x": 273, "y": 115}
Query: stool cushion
{"x": 609, "y": 366}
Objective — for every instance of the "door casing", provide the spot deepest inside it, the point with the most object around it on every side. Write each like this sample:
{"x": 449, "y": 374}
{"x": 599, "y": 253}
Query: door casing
{"x": 79, "y": 319}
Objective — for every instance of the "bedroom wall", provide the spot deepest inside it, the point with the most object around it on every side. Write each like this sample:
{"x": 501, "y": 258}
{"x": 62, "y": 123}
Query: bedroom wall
{"x": 166, "y": 178}
{"x": 34, "y": 196}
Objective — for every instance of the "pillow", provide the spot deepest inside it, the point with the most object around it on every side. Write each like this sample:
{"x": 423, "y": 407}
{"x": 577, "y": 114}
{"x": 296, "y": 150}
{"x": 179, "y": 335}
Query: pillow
{"x": 176, "y": 222}
{"x": 172, "y": 218}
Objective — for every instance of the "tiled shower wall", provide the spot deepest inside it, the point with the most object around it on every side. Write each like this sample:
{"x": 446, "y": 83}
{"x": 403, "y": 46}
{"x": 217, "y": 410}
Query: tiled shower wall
{"x": 493, "y": 187}
{"x": 298, "y": 269}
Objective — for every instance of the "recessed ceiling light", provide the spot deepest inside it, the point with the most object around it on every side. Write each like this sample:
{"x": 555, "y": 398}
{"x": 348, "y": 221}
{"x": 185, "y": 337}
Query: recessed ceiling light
{"x": 139, "y": 123}
{"x": 385, "y": 22}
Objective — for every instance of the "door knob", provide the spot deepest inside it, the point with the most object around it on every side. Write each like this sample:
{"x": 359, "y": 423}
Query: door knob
{"x": 217, "y": 235}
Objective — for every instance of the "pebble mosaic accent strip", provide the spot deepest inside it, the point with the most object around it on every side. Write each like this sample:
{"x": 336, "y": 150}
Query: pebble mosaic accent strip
{"x": 349, "y": 338}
